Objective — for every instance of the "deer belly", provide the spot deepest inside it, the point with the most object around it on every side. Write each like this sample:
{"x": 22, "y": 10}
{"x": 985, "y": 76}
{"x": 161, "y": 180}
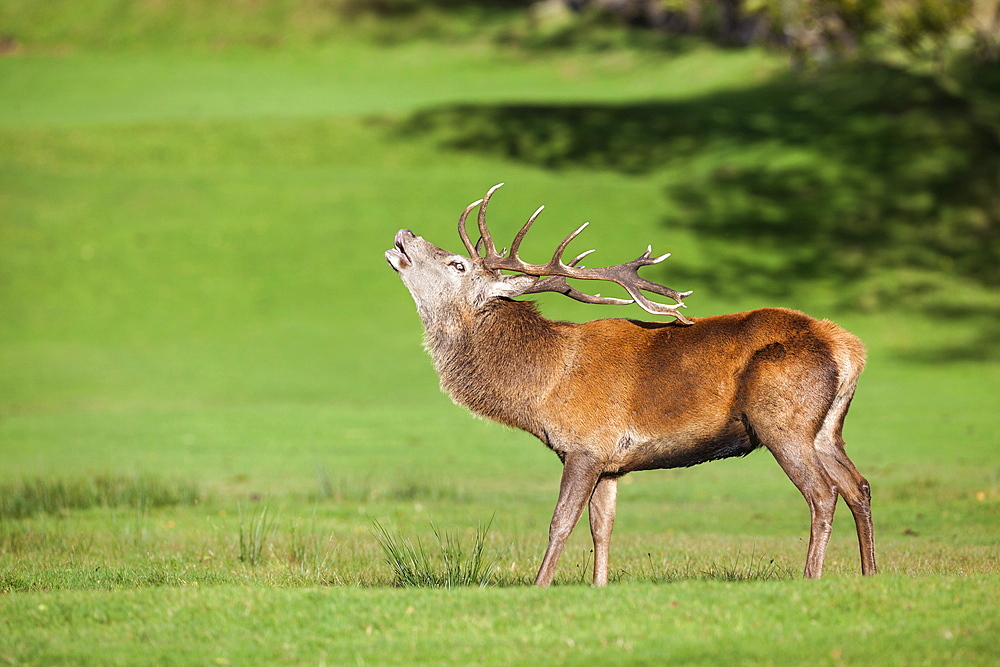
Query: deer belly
{"x": 673, "y": 452}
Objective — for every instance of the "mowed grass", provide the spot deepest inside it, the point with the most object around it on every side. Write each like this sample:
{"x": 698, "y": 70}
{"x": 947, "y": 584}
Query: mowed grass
{"x": 829, "y": 622}
{"x": 193, "y": 291}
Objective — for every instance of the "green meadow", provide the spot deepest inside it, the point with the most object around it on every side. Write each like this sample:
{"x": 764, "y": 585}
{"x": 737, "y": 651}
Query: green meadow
{"x": 213, "y": 390}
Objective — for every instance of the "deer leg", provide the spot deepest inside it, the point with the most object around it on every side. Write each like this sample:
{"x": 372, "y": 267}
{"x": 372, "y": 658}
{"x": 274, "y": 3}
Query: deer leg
{"x": 806, "y": 472}
{"x": 856, "y": 492}
{"x": 851, "y": 485}
{"x": 821, "y": 508}
{"x": 602, "y": 522}
{"x": 861, "y": 508}
{"x": 579, "y": 477}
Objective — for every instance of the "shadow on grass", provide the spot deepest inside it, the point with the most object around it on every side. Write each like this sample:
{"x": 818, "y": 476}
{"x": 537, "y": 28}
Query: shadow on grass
{"x": 876, "y": 182}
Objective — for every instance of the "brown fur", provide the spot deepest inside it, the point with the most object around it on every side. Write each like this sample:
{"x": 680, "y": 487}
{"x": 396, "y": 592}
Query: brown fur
{"x": 638, "y": 395}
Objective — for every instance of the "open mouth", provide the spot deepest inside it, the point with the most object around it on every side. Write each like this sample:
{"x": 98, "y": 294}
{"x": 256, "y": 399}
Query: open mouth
{"x": 397, "y": 257}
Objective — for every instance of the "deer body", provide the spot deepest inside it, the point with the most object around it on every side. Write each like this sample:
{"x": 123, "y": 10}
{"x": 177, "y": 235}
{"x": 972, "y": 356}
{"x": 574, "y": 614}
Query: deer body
{"x": 613, "y": 396}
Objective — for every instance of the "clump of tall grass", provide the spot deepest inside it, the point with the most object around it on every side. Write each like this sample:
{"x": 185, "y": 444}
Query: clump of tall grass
{"x": 445, "y": 566}
{"x": 52, "y": 495}
{"x": 256, "y": 528}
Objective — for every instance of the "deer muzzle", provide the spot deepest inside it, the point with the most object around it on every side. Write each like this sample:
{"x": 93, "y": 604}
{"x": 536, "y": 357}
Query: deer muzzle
{"x": 397, "y": 256}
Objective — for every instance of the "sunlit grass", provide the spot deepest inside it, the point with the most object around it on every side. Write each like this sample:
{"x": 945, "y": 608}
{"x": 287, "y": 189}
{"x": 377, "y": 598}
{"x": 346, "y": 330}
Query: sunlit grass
{"x": 451, "y": 563}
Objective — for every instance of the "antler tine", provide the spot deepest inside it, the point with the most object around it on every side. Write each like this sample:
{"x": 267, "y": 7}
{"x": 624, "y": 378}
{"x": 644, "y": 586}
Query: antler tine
{"x": 649, "y": 286}
{"x": 644, "y": 284}
{"x": 516, "y": 243}
{"x": 556, "y": 260}
{"x": 576, "y": 260}
{"x": 463, "y": 232}
{"x": 656, "y": 307}
{"x": 490, "y": 248}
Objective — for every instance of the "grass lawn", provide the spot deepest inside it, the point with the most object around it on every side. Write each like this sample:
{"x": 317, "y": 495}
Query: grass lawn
{"x": 705, "y": 623}
{"x": 201, "y": 343}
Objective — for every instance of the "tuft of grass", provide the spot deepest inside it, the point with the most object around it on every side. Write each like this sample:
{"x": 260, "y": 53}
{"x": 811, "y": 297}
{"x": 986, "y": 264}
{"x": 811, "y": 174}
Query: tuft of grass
{"x": 58, "y": 495}
{"x": 446, "y": 567}
{"x": 308, "y": 551}
{"x": 755, "y": 568}
{"x": 256, "y": 529}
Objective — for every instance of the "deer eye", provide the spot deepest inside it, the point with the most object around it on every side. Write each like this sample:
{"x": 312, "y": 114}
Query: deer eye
{"x": 458, "y": 266}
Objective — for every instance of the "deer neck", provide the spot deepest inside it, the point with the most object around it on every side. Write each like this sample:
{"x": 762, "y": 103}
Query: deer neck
{"x": 497, "y": 361}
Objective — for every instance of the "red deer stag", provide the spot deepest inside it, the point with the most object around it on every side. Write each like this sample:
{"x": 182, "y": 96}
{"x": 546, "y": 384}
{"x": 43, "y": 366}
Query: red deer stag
{"x": 612, "y": 396}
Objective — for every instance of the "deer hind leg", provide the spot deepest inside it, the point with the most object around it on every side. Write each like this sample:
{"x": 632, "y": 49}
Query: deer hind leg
{"x": 602, "y": 522}
{"x": 579, "y": 477}
{"x": 854, "y": 489}
{"x": 852, "y": 486}
{"x": 787, "y": 391}
{"x": 804, "y": 469}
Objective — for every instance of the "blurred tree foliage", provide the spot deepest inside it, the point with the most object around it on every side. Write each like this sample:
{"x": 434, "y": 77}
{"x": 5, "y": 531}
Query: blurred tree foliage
{"x": 403, "y": 7}
{"x": 820, "y": 30}
{"x": 813, "y": 30}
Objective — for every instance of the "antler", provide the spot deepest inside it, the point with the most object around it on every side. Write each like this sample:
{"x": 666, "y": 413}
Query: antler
{"x": 552, "y": 275}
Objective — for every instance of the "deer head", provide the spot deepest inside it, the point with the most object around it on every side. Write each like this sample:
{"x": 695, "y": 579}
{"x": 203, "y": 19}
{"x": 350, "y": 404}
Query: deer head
{"x": 437, "y": 278}
{"x": 445, "y": 285}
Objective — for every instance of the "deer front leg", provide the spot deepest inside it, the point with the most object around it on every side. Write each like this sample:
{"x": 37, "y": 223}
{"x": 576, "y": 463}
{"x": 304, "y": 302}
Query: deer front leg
{"x": 579, "y": 477}
{"x": 602, "y": 522}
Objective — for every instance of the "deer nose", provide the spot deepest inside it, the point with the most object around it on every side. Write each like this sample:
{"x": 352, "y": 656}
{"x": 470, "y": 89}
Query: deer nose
{"x": 401, "y": 235}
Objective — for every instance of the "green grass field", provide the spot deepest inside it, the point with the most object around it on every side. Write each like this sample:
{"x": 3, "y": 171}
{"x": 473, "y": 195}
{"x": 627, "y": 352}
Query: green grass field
{"x": 212, "y": 385}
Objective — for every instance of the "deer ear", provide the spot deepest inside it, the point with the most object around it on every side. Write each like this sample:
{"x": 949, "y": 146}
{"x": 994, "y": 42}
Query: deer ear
{"x": 511, "y": 286}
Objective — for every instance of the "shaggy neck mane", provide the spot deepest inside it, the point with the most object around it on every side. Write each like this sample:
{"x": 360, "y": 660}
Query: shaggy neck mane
{"x": 496, "y": 361}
